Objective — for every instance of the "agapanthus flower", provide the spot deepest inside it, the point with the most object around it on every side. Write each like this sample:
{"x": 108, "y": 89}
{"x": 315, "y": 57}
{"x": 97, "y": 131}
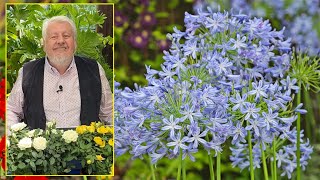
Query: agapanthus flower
{"x": 171, "y": 125}
{"x": 219, "y": 82}
{"x": 178, "y": 143}
{"x": 297, "y": 16}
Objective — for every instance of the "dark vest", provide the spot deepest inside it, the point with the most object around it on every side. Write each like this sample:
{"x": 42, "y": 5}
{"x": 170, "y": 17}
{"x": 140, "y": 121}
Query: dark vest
{"x": 32, "y": 87}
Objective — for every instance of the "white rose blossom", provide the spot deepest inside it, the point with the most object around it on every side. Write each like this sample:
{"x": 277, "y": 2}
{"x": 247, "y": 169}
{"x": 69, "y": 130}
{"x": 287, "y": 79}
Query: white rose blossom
{"x": 25, "y": 143}
{"x": 39, "y": 143}
{"x": 70, "y": 136}
{"x": 17, "y": 127}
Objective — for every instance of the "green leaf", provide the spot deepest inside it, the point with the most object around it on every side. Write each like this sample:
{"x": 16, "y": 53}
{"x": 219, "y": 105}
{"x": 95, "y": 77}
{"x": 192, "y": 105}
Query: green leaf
{"x": 82, "y": 146}
{"x": 52, "y": 160}
{"x": 67, "y": 170}
{"x": 39, "y": 161}
{"x": 109, "y": 40}
{"x": 32, "y": 164}
{"x": 45, "y": 163}
{"x": 21, "y": 165}
{"x": 19, "y": 155}
{"x": 13, "y": 168}
{"x": 40, "y": 154}
{"x": 69, "y": 158}
{"x": 34, "y": 154}
{"x": 89, "y": 170}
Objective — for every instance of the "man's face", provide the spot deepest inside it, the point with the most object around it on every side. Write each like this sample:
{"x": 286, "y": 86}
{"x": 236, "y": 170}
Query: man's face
{"x": 59, "y": 44}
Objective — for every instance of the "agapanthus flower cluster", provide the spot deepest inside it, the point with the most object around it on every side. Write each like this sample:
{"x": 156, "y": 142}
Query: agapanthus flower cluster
{"x": 299, "y": 17}
{"x": 265, "y": 110}
{"x": 223, "y": 77}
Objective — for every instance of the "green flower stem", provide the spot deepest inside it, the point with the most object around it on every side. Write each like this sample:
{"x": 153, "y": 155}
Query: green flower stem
{"x": 249, "y": 140}
{"x": 152, "y": 170}
{"x": 298, "y": 134}
{"x": 272, "y": 170}
{"x": 274, "y": 160}
{"x": 184, "y": 172}
{"x": 180, "y": 165}
{"x": 84, "y": 177}
{"x": 210, "y": 162}
{"x": 218, "y": 166}
{"x": 250, "y": 155}
{"x": 99, "y": 177}
{"x": 264, "y": 163}
{"x": 211, "y": 167}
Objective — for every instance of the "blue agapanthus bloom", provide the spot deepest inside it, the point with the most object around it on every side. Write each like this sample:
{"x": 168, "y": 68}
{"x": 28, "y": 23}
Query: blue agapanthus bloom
{"x": 300, "y": 17}
{"x": 223, "y": 78}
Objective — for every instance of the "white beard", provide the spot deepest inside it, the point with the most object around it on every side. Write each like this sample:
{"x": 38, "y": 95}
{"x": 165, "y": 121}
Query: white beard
{"x": 60, "y": 60}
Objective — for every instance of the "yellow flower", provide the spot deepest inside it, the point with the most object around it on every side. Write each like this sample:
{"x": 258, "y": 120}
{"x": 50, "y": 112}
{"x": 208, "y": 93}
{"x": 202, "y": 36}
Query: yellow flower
{"x": 99, "y": 157}
{"x": 109, "y": 129}
{"x": 102, "y": 130}
{"x": 110, "y": 142}
{"x": 81, "y": 129}
{"x": 93, "y": 124}
{"x": 98, "y": 124}
{"x": 89, "y": 161}
{"x": 91, "y": 128}
{"x": 99, "y": 141}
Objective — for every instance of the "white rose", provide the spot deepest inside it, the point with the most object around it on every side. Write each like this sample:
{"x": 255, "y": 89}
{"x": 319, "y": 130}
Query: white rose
{"x": 70, "y": 136}
{"x": 50, "y": 124}
{"x": 39, "y": 143}
{"x": 8, "y": 143}
{"x": 18, "y": 127}
{"x": 25, "y": 143}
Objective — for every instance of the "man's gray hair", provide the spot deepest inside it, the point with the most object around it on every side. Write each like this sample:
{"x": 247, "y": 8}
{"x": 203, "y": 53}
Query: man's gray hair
{"x": 58, "y": 19}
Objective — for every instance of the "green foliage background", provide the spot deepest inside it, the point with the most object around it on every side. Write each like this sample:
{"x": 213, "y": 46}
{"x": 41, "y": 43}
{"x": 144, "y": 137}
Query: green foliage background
{"x": 24, "y": 24}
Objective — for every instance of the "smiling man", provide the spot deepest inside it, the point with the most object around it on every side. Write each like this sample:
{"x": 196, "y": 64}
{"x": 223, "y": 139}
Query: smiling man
{"x": 60, "y": 87}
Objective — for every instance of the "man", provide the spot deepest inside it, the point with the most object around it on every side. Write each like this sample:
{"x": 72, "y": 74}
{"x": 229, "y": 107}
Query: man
{"x": 60, "y": 87}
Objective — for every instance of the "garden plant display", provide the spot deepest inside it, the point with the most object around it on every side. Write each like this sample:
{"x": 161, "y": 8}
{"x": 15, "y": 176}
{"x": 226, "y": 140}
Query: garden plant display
{"x": 227, "y": 77}
{"x": 53, "y": 151}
